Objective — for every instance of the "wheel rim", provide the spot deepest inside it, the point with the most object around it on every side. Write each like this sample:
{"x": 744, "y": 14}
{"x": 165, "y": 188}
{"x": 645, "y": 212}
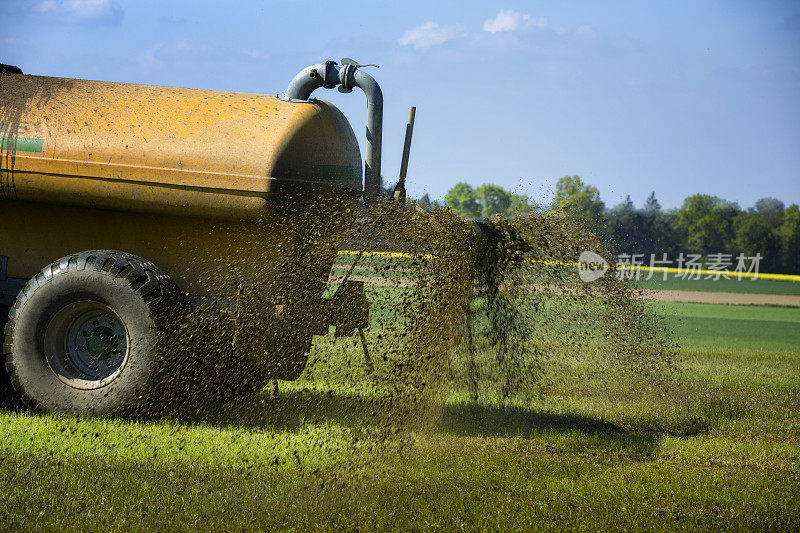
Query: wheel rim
{"x": 86, "y": 344}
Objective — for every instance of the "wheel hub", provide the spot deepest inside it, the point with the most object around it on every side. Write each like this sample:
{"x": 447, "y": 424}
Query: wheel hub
{"x": 86, "y": 344}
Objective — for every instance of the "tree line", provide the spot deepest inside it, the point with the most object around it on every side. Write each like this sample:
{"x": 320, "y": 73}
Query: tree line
{"x": 703, "y": 224}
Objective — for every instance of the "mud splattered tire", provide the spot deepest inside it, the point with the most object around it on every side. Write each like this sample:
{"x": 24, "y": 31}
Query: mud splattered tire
{"x": 4, "y": 382}
{"x": 88, "y": 334}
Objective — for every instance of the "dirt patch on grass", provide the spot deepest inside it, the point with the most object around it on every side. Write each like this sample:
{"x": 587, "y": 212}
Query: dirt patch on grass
{"x": 722, "y": 298}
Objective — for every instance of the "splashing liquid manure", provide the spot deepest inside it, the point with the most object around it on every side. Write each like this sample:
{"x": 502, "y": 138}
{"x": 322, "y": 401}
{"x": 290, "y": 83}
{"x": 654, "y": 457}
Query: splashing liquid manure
{"x": 496, "y": 315}
{"x": 491, "y": 314}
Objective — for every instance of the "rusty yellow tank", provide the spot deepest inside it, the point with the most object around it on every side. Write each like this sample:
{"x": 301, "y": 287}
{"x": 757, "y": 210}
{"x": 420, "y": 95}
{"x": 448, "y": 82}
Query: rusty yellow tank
{"x": 165, "y": 149}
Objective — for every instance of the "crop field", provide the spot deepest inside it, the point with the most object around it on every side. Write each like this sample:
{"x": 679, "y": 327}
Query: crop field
{"x": 719, "y": 450}
{"x": 751, "y": 327}
{"x": 730, "y": 285}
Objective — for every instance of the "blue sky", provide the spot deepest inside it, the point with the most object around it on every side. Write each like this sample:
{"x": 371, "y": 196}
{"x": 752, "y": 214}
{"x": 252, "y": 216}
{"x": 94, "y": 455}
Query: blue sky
{"x": 678, "y": 97}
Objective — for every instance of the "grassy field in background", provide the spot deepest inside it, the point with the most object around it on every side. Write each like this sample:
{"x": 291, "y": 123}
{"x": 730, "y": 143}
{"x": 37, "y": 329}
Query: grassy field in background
{"x": 744, "y": 286}
{"x": 749, "y": 327}
{"x": 719, "y": 450}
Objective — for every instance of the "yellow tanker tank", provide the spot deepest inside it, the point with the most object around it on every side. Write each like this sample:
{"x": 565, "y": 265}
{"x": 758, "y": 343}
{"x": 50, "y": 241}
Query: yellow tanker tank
{"x": 221, "y": 194}
{"x": 164, "y": 149}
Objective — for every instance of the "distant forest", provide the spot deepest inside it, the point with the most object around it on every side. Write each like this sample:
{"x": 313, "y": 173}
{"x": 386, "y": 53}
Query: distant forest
{"x": 703, "y": 225}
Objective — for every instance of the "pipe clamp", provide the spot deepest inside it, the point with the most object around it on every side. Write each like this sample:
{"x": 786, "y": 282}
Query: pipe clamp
{"x": 331, "y": 76}
{"x": 347, "y": 78}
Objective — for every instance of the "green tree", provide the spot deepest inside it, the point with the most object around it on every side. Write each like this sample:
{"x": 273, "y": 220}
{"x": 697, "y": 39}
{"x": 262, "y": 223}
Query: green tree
{"x": 425, "y": 201}
{"x": 658, "y": 235}
{"x": 493, "y": 200}
{"x": 581, "y": 201}
{"x": 706, "y": 223}
{"x": 520, "y": 205}
{"x": 771, "y": 209}
{"x": 486, "y": 201}
{"x": 754, "y": 234}
{"x": 627, "y": 227}
{"x": 790, "y": 239}
{"x": 651, "y": 205}
{"x": 575, "y": 196}
{"x": 463, "y": 200}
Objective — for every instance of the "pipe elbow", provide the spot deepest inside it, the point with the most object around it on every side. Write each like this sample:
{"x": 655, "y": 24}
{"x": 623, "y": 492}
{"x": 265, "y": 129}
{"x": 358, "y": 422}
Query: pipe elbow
{"x": 310, "y": 79}
{"x": 371, "y": 89}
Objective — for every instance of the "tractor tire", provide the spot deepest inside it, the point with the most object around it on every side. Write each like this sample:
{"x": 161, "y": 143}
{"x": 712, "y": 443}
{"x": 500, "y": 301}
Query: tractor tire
{"x": 88, "y": 335}
{"x": 4, "y": 381}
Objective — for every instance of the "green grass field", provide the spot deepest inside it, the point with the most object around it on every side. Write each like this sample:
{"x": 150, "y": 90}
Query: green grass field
{"x": 749, "y": 327}
{"x": 745, "y": 286}
{"x": 719, "y": 450}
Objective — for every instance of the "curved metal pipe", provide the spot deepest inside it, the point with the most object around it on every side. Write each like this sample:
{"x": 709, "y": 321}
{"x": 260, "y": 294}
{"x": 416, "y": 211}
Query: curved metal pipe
{"x": 372, "y": 167}
{"x": 309, "y": 80}
{"x": 329, "y": 75}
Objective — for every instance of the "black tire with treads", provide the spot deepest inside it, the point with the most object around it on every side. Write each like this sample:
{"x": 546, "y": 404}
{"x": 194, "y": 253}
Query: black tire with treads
{"x": 4, "y": 382}
{"x": 144, "y": 299}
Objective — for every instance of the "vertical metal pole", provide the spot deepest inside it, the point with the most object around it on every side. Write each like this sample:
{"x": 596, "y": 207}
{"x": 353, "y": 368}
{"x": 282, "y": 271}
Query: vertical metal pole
{"x": 400, "y": 188}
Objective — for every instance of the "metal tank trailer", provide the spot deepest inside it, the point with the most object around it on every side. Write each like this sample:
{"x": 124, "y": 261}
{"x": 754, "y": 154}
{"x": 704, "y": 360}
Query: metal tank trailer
{"x": 119, "y": 203}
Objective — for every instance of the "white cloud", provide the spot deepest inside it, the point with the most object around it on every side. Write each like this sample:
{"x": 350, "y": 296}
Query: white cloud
{"x": 159, "y": 55}
{"x": 148, "y": 60}
{"x": 430, "y": 34}
{"x": 584, "y": 31}
{"x": 89, "y": 9}
{"x": 510, "y": 20}
{"x": 173, "y": 54}
{"x": 80, "y": 11}
{"x": 48, "y": 6}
